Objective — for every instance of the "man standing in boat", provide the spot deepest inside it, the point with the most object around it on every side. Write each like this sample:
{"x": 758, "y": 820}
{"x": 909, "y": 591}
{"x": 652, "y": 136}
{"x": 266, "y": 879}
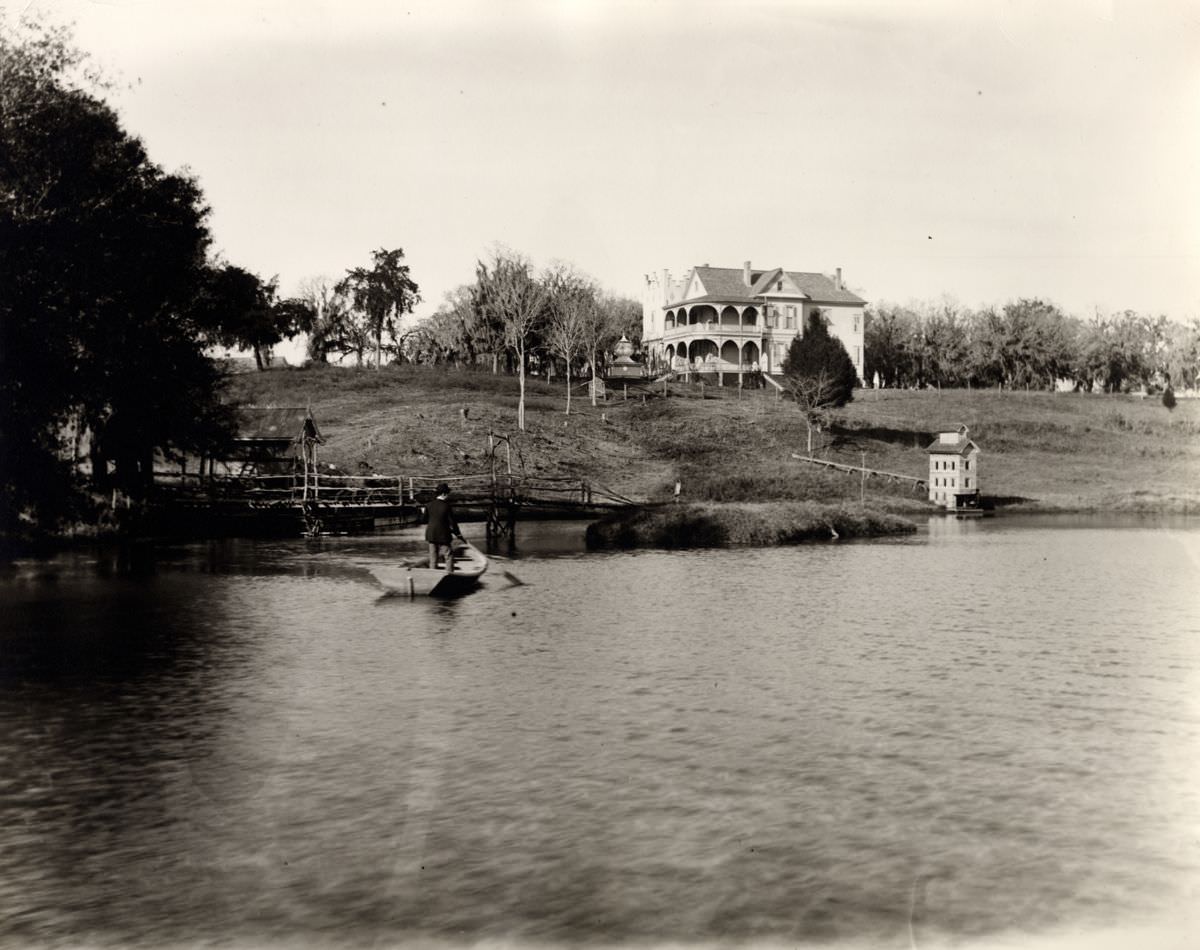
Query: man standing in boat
{"x": 441, "y": 529}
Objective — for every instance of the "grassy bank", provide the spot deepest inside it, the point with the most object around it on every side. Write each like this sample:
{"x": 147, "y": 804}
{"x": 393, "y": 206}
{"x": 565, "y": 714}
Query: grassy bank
{"x": 1040, "y": 451}
{"x": 734, "y": 523}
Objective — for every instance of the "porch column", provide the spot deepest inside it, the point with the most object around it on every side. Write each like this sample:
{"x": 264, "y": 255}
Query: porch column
{"x": 741, "y": 343}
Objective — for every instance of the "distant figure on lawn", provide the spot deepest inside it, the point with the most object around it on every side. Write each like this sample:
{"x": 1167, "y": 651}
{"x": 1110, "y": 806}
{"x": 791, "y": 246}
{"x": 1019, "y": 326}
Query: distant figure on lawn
{"x": 442, "y": 528}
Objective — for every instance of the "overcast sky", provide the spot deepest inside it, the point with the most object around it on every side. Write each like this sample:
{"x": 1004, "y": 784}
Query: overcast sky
{"x": 982, "y": 150}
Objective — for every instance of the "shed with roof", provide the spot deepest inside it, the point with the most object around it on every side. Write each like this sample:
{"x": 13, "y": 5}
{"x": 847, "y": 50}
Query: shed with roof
{"x": 954, "y": 470}
{"x": 272, "y": 440}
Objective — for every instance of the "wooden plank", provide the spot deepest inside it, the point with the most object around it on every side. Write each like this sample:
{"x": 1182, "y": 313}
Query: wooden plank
{"x": 858, "y": 468}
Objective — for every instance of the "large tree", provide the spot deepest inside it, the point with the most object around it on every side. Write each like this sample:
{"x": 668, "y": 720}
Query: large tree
{"x": 102, "y": 255}
{"x": 818, "y": 372}
{"x": 382, "y": 294}
{"x": 1027, "y": 343}
{"x": 325, "y": 315}
{"x": 890, "y": 340}
{"x": 245, "y": 311}
{"x": 457, "y": 331}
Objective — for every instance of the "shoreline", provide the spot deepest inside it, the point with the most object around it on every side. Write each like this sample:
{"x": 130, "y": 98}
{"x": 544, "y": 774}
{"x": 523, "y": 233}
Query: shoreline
{"x": 717, "y": 523}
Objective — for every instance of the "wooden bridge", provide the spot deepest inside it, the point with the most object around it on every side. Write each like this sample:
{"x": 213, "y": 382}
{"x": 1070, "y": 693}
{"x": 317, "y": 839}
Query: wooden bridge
{"x": 312, "y": 503}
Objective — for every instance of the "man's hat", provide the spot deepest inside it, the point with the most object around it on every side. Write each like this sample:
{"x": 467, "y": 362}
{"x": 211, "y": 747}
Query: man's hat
{"x": 443, "y": 488}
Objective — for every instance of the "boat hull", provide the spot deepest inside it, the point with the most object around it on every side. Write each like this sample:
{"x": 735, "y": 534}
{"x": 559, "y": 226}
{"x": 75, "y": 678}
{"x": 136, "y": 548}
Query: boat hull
{"x": 470, "y": 564}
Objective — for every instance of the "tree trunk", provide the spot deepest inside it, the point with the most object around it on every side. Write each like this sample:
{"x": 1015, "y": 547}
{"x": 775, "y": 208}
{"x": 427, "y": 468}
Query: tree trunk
{"x": 593, "y": 376}
{"x": 378, "y": 348}
{"x": 258, "y": 360}
{"x": 521, "y": 379}
{"x": 99, "y": 464}
{"x": 568, "y": 387}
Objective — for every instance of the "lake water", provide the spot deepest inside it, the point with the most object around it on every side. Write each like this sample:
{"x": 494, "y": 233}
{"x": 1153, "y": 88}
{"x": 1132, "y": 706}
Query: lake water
{"x": 986, "y": 734}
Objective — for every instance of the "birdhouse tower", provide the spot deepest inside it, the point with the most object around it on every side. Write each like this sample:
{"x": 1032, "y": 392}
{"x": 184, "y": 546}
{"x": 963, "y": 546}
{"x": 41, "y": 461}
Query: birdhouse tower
{"x": 954, "y": 471}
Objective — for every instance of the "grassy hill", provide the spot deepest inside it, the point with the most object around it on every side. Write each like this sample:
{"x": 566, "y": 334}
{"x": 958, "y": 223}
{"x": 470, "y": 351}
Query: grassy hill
{"x": 1041, "y": 451}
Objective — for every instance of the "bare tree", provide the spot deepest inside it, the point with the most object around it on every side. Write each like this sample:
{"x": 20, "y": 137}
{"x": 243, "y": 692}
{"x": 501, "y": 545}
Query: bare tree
{"x": 571, "y": 298}
{"x": 600, "y": 332}
{"x": 509, "y": 293}
{"x": 814, "y": 394}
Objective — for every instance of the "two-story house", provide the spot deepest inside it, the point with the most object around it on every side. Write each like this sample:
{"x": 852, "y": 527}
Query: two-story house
{"x": 726, "y": 320}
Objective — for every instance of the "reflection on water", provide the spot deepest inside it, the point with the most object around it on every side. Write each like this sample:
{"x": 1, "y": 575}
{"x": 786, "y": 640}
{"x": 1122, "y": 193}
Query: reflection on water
{"x": 986, "y": 732}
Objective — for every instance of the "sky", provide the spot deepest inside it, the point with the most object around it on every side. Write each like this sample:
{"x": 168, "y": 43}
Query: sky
{"x": 985, "y": 151}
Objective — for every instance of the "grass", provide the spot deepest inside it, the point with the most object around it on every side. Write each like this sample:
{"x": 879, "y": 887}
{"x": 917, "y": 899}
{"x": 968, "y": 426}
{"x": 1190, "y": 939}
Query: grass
{"x": 721, "y": 525}
{"x": 1040, "y": 451}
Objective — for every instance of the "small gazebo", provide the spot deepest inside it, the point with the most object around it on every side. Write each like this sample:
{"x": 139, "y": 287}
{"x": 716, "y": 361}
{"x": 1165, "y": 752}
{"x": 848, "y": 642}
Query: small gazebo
{"x": 624, "y": 368}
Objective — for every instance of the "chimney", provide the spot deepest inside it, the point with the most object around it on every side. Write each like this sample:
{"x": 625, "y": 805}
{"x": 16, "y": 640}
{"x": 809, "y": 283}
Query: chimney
{"x": 838, "y": 281}
{"x": 746, "y": 274}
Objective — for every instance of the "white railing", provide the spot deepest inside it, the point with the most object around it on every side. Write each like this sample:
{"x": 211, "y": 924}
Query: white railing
{"x": 713, "y": 329}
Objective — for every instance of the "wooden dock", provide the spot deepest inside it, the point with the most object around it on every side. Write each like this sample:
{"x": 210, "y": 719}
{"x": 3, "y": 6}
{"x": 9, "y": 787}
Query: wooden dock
{"x": 863, "y": 471}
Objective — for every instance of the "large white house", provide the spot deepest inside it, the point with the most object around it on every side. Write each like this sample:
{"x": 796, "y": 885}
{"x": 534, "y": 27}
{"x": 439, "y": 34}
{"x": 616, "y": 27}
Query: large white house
{"x": 729, "y": 320}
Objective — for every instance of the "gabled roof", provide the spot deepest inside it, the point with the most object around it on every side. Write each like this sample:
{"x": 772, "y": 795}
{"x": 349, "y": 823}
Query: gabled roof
{"x": 962, "y": 445}
{"x": 271, "y": 425}
{"x": 822, "y": 289}
{"x": 764, "y": 280}
{"x": 723, "y": 283}
{"x": 727, "y": 285}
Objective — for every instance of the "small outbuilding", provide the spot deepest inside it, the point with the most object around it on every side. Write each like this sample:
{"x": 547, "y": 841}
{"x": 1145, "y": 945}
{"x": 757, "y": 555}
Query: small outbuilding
{"x": 272, "y": 441}
{"x": 954, "y": 471}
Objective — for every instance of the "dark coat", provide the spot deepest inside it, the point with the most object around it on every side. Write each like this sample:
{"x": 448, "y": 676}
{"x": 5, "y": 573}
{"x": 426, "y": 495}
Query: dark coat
{"x": 442, "y": 526}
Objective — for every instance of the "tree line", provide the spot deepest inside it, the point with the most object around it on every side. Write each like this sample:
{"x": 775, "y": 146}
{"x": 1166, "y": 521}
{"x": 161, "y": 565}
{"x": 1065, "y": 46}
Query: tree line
{"x": 1027, "y": 344}
{"x": 513, "y": 319}
{"x": 509, "y": 319}
{"x": 509, "y": 306}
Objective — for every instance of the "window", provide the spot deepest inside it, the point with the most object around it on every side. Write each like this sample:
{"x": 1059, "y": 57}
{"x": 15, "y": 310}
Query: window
{"x": 856, "y": 323}
{"x": 791, "y": 318}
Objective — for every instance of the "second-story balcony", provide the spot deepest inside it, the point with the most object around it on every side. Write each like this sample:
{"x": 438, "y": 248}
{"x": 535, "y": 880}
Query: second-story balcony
{"x": 732, "y": 331}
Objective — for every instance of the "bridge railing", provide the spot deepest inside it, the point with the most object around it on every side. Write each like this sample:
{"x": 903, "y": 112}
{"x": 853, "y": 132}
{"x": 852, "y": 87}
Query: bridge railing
{"x": 379, "y": 490}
